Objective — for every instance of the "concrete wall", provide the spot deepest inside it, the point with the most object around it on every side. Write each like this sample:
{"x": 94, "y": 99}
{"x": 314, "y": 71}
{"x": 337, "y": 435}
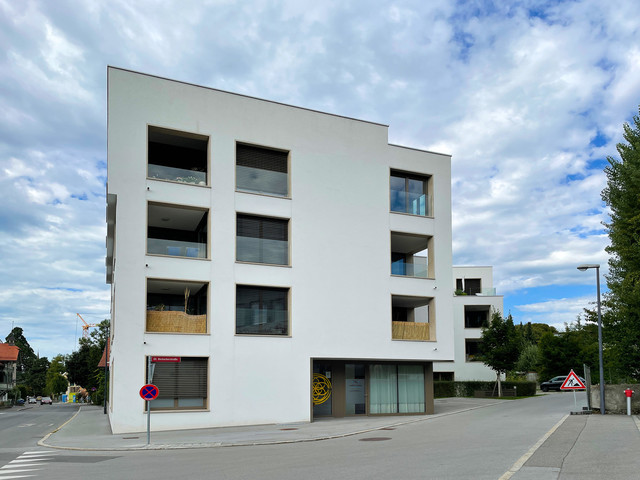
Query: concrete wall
{"x": 339, "y": 277}
{"x": 615, "y": 400}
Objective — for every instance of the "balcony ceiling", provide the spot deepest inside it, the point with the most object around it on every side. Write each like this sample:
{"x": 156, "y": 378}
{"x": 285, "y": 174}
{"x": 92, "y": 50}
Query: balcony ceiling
{"x": 176, "y": 218}
{"x": 172, "y": 287}
{"x": 407, "y": 243}
{"x": 409, "y": 302}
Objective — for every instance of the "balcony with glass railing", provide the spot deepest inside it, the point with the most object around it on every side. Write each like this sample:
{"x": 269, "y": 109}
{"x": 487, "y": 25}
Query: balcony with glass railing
{"x": 177, "y": 156}
{"x": 177, "y": 231}
{"x": 410, "y": 255}
{"x": 262, "y": 250}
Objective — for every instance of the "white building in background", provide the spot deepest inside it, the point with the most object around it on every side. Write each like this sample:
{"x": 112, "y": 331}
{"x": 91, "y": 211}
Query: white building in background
{"x": 273, "y": 252}
{"x": 474, "y": 302}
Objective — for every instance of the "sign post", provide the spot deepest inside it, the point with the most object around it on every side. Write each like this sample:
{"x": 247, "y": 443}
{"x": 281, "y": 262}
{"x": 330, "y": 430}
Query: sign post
{"x": 573, "y": 382}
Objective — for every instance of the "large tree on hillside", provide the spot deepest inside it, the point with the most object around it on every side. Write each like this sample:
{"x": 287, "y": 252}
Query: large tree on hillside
{"x": 622, "y": 196}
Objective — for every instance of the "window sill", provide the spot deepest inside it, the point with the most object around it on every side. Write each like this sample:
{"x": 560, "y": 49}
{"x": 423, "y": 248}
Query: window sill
{"x": 261, "y": 335}
{"x": 175, "y": 256}
{"x": 241, "y": 262}
{"x": 412, "y": 214}
{"x": 261, "y": 194}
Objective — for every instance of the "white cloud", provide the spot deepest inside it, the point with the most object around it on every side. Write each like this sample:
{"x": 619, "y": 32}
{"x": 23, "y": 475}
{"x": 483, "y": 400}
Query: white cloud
{"x": 517, "y": 98}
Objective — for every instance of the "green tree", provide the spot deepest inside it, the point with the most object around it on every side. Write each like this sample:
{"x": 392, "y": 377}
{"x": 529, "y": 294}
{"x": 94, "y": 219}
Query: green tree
{"x": 499, "y": 346}
{"x": 82, "y": 365}
{"x": 55, "y": 380}
{"x": 26, "y": 355}
{"x": 621, "y": 332}
{"x": 569, "y": 350}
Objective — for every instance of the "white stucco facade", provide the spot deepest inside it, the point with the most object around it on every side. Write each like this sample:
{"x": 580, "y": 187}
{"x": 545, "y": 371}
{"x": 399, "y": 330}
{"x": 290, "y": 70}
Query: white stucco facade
{"x": 338, "y": 277}
{"x": 476, "y": 293}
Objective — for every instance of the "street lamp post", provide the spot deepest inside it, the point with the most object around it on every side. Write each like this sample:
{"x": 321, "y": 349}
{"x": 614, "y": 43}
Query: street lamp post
{"x": 584, "y": 268}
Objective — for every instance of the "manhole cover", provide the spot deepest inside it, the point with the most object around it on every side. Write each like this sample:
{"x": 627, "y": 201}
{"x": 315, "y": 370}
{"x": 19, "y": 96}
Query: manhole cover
{"x": 283, "y": 429}
{"x": 375, "y": 439}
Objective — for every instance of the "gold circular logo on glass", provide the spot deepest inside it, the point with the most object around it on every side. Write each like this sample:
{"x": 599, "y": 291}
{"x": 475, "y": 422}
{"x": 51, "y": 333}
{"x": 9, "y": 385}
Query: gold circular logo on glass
{"x": 321, "y": 388}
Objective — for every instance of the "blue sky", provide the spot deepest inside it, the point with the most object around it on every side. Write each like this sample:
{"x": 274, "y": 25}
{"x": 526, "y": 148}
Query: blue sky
{"x": 528, "y": 96}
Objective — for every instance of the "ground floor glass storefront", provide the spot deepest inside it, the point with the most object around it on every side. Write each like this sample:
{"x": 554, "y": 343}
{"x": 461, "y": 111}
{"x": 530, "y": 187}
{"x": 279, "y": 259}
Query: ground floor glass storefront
{"x": 344, "y": 388}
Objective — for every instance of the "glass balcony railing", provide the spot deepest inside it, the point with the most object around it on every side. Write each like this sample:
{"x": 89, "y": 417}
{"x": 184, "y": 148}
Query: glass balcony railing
{"x": 418, "y": 268}
{"x": 176, "y": 248}
{"x": 413, "y": 204}
{"x": 262, "y": 321}
{"x": 173, "y": 174}
{"x": 258, "y": 250}
{"x": 262, "y": 181}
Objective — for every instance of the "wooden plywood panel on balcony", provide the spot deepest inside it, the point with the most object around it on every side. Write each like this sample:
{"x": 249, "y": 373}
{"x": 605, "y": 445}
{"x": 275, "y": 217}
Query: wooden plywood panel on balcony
{"x": 175, "y": 322}
{"x": 410, "y": 331}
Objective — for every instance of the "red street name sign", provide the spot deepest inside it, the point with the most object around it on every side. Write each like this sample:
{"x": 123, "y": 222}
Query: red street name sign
{"x": 166, "y": 359}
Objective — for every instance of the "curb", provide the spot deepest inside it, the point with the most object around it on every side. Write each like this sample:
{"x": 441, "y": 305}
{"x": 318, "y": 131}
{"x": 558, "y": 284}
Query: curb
{"x": 182, "y": 446}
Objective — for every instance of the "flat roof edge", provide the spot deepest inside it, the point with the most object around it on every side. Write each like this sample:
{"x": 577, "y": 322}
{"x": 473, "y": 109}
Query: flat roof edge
{"x": 247, "y": 96}
{"x": 420, "y": 150}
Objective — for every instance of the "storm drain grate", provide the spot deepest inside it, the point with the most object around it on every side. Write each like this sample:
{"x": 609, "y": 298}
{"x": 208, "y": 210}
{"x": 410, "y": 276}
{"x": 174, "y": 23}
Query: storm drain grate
{"x": 130, "y": 438}
{"x": 387, "y": 428}
{"x": 375, "y": 439}
{"x": 285, "y": 429}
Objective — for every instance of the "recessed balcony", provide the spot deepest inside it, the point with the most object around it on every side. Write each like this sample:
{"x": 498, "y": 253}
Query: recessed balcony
{"x": 177, "y": 156}
{"x": 410, "y": 318}
{"x": 176, "y": 307}
{"x": 411, "y": 255}
{"x": 177, "y": 231}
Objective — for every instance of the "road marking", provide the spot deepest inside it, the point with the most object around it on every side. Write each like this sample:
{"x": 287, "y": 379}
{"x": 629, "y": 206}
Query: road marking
{"x": 26, "y": 425}
{"x": 17, "y": 468}
{"x": 523, "y": 459}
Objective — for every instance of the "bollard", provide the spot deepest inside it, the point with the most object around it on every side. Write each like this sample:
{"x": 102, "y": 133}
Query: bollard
{"x": 628, "y": 392}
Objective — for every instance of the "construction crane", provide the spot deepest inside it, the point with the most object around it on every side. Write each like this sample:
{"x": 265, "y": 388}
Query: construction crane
{"x": 86, "y": 326}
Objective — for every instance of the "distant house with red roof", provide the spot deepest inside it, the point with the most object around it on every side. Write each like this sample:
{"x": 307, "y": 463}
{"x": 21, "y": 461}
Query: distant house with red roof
{"x": 8, "y": 362}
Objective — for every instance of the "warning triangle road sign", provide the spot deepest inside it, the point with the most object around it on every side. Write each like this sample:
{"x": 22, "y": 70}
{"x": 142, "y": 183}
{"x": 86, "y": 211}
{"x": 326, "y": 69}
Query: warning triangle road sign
{"x": 572, "y": 382}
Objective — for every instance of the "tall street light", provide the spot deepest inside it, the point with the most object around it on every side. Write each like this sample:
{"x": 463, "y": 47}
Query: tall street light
{"x": 584, "y": 268}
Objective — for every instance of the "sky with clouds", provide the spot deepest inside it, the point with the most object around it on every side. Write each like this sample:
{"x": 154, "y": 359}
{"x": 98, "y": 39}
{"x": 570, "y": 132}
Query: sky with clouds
{"x": 528, "y": 96}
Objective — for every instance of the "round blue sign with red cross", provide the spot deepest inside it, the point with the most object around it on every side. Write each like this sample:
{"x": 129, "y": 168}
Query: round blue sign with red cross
{"x": 149, "y": 392}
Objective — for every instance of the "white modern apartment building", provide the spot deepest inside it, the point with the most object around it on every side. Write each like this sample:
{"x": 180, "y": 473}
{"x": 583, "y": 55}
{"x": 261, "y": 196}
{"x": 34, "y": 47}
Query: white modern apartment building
{"x": 474, "y": 302}
{"x": 275, "y": 263}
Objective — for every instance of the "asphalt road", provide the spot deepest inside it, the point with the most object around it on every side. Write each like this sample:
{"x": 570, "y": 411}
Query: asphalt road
{"x": 477, "y": 444}
{"x": 20, "y": 430}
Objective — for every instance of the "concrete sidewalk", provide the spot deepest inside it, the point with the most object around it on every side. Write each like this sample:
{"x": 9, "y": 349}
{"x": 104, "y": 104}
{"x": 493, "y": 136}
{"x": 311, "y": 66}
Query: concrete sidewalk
{"x": 586, "y": 447}
{"x": 89, "y": 430}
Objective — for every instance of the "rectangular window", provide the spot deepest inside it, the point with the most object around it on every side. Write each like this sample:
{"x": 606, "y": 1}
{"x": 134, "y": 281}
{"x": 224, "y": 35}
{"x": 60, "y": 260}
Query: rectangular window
{"x": 181, "y": 385}
{"x": 262, "y": 170}
{"x": 262, "y": 240}
{"x": 409, "y": 193}
{"x": 472, "y": 350}
{"x": 177, "y": 156}
{"x": 262, "y": 310}
{"x": 176, "y": 306}
{"x": 476, "y": 316}
{"x": 396, "y": 389}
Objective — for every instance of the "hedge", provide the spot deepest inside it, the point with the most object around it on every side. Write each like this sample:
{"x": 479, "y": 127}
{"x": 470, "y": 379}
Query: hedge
{"x": 442, "y": 389}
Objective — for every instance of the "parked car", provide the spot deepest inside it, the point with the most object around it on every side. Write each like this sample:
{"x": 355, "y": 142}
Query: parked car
{"x": 555, "y": 383}
{"x": 20, "y": 402}
{"x": 32, "y": 400}
{"x": 46, "y": 400}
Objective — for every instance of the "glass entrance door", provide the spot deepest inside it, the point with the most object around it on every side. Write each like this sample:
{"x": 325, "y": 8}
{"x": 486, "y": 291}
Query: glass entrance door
{"x": 355, "y": 389}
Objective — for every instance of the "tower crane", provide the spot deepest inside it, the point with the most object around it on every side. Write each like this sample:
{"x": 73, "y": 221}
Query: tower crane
{"x": 86, "y": 326}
